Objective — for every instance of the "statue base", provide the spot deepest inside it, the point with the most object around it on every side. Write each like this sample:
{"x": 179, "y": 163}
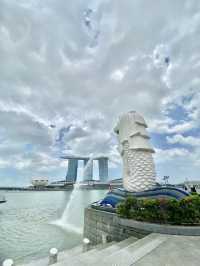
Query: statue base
{"x": 117, "y": 195}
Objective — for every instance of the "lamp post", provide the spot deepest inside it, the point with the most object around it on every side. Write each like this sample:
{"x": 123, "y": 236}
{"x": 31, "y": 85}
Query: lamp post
{"x": 166, "y": 179}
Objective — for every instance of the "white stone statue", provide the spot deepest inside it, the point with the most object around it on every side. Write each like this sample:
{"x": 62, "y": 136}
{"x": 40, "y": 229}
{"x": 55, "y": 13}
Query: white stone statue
{"x": 136, "y": 151}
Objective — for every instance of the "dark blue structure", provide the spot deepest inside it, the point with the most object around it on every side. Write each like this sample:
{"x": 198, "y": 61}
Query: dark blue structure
{"x": 117, "y": 195}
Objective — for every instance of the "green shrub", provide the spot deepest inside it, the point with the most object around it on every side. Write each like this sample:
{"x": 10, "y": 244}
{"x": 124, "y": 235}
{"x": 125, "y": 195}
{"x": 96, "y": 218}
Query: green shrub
{"x": 185, "y": 211}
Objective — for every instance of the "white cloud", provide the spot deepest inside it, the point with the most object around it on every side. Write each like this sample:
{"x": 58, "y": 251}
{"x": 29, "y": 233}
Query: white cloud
{"x": 62, "y": 65}
{"x": 169, "y": 126}
{"x": 165, "y": 155}
{"x": 4, "y": 163}
{"x": 193, "y": 141}
{"x": 117, "y": 75}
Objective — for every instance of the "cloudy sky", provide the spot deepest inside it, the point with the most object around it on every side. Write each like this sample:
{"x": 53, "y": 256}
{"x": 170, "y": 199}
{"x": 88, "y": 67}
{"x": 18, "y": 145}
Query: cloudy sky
{"x": 70, "y": 68}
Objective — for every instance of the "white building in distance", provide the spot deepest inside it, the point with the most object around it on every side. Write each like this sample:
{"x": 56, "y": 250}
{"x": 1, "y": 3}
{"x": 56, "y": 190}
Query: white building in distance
{"x": 39, "y": 181}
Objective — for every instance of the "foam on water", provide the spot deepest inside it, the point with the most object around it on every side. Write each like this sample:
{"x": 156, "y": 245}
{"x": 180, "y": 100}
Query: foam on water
{"x": 65, "y": 221}
{"x": 68, "y": 226}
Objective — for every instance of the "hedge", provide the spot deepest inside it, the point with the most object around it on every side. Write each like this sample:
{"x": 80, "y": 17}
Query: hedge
{"x": 166, "y": 211}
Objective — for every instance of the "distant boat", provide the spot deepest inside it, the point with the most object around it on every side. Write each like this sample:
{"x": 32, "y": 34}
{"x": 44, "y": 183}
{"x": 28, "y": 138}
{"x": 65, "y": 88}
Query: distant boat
{"x": 2, "y": 199}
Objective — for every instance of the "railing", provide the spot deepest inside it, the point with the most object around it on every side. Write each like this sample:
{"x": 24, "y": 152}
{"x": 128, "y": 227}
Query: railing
{"x": 53, "y": 258}
{"x": 53, "y": 252}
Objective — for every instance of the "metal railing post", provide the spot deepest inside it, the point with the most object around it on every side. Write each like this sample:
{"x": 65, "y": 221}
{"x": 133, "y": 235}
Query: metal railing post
{"x": 8, "y": 262}
{"x": 86, "y": 244}
{"x": 53, "y": 256}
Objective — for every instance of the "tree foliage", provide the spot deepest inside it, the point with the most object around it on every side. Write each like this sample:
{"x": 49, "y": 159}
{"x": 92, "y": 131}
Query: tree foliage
{"x": 163, "y": 210}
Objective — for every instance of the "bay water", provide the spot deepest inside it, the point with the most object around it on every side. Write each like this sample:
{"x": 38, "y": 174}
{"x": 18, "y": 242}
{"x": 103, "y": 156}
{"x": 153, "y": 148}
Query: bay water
{"x": 29, "y": 222}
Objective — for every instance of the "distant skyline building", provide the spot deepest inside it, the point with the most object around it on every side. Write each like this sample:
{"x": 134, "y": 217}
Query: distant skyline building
{"x": 72, "y": 170}
{"x": 103, "y": 168}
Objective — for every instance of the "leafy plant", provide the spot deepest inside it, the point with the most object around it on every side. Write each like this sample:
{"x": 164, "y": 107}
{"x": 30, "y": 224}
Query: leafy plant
{"x": 185, "y": 211}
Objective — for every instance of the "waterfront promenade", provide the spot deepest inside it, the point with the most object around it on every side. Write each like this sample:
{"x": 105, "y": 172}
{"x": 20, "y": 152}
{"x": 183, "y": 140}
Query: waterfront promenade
{"x": 154, "y": 249}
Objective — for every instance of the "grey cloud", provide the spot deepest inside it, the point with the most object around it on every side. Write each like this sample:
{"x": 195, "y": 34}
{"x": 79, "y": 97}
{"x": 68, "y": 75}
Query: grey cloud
{"x": 52, "y": 73}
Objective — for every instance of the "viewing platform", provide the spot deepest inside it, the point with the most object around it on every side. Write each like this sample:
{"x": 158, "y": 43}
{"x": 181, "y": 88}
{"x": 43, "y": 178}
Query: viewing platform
{"x": 154, "y": 249}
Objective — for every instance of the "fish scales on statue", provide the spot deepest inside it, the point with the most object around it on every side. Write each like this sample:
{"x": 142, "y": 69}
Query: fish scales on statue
{"x": 134, "y": 146}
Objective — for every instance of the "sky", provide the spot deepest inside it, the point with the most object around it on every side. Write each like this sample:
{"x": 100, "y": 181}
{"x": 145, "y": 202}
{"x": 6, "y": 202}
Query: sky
{"x": 70, "y": 68}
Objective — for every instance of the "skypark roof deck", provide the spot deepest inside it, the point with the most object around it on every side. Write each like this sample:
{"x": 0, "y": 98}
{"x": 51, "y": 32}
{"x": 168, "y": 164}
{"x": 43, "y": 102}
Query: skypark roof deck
{"x": 88, "y": 167}
{"x": 67, "y": 157}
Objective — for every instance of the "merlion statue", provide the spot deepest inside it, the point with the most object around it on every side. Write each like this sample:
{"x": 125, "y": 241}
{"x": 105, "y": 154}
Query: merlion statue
{"x": 136, "y": 151}
{"x": 139, "y": 177}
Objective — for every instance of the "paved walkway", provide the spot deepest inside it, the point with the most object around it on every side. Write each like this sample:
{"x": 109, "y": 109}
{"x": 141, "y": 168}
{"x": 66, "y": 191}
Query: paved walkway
{"x": 175, "y": 251}
{"x": 152, "y": 250}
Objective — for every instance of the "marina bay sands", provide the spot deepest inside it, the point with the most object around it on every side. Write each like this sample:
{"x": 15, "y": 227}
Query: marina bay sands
{"x": 72, "y": 170}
